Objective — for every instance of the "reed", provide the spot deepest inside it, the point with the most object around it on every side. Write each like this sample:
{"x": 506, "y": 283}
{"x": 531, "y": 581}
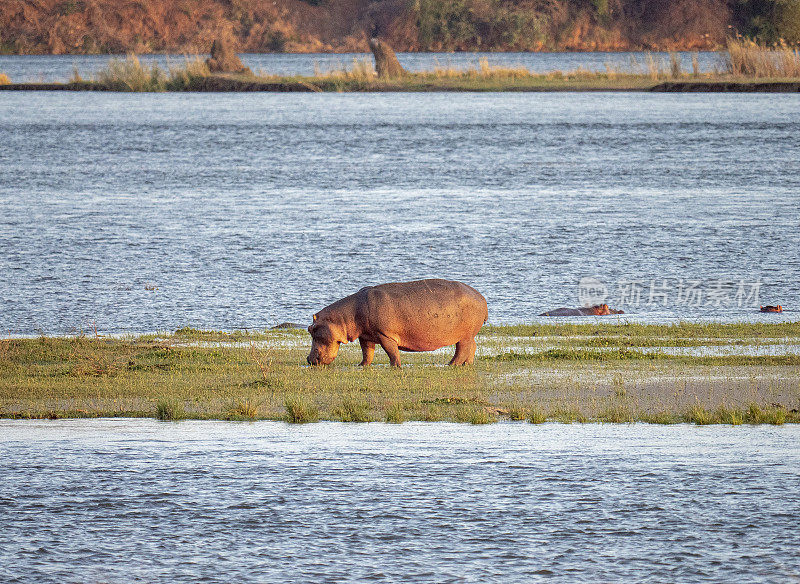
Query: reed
{"x": 748, "y": 58}
{"x": 130, "y": 74}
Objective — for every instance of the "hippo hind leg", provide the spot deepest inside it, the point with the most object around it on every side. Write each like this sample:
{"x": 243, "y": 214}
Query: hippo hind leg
{"x": 391, "y": 348}
{"x": 465, "y": 352}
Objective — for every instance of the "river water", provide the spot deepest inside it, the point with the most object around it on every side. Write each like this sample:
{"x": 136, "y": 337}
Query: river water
{"x": 145, "y": 212}
{"x": 39, "y": 68}
{"x": 134, "y": 500}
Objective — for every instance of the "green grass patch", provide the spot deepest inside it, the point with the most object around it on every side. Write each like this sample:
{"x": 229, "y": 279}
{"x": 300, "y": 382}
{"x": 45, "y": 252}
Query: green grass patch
{"x": 300, "y": 410}
{"x": 353, "y": 409}
{"x": 170, "y": 410}
{"x": 188, "y": 375}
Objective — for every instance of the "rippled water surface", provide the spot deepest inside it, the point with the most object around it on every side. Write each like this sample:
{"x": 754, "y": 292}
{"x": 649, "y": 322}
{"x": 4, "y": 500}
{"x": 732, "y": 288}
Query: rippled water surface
{"x": 121, "y": 501}
{"x": 154, "y": 211}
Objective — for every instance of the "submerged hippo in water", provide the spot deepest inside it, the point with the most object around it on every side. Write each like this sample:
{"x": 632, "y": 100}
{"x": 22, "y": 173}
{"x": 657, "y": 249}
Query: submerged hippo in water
{"x": 423, "y": 315}
{"x": 778, "y": 308}
{"x": 596, "y": 310}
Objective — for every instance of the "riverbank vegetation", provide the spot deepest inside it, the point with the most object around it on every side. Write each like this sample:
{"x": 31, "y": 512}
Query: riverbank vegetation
{"x": 745, "y": 64}
{"x": 594, "y": 372}
{"x": 149, "y": 26}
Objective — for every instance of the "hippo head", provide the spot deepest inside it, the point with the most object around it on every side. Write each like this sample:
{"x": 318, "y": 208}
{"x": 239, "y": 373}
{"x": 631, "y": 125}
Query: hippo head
{"x": 600, "y": 310}
{"x": 326, "y": 337}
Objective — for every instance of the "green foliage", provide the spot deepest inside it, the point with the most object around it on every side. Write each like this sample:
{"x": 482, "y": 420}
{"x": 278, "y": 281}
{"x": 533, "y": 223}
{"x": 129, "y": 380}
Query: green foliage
{"x": 699, "y": 415}
{"x": 468, "y": 24}
{"x": 601, "y": 6}
{"x": 787, "y": 21}
{"x": 571, "y": 354}
{"x": 768, "y": 21}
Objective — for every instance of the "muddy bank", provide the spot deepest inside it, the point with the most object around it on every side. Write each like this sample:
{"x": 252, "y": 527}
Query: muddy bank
{"x": 226, "y": 84}
{"x": 728, "y": 87}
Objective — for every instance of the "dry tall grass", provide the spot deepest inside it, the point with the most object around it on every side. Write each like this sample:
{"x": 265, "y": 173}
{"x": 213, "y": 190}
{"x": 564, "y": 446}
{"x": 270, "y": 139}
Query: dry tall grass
{"x": 747, "y": 58}
{"x": 130, "y": 74}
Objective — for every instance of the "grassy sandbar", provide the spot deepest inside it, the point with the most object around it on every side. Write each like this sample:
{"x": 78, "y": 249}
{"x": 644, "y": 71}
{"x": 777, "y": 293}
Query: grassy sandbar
{"x": 592, "y": 372}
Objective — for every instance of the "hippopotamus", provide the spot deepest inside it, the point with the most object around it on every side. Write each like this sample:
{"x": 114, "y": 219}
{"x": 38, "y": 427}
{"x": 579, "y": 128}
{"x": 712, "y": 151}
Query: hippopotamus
{"x": 778, "y": 308}
{"x": 423, "y": 315}
{"x": 596, "y": 310}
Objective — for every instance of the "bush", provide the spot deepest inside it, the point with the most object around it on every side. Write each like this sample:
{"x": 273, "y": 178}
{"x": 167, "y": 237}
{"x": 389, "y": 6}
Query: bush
{"x": 787, "y": 21}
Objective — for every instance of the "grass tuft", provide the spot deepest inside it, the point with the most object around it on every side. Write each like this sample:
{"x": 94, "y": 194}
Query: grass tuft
{"x": 479, "y": 416}
{"x": 395, "y": 414}
{"x": 616, "y": 414}
{"x": 569, "y": 415}
{"x": 169, "y": 410}
{"x": 353, "y": 409}
{"x": 300, "y": 410}
{"x": 699, "y": 415}
{"x": 517, "y": 412}
{"x": 244, "y": 409}
{"x": 537, "y": 416}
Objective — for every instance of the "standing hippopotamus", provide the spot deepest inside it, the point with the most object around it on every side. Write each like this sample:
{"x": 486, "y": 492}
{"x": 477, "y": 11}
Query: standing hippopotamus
{"x": 596, "y": 310}
{"x": 424, "y": 315}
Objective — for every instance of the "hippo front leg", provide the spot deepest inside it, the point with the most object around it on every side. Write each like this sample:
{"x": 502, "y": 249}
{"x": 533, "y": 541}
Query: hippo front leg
{"x": 391, "y": 348}
{"x": 368, "y": 351}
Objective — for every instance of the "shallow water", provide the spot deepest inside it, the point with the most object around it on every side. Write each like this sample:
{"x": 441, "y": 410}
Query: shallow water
{"x": 35, "y": 68}
{"x": 154, "y": 211}
{"x": 122, "y": 500}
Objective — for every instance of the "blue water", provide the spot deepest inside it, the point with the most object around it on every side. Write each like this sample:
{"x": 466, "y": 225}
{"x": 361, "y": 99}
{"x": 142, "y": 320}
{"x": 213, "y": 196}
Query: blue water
{"x": 123, "y": 501}
{"x": 154, "y": 211}
{"x": 32, "y": 68}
